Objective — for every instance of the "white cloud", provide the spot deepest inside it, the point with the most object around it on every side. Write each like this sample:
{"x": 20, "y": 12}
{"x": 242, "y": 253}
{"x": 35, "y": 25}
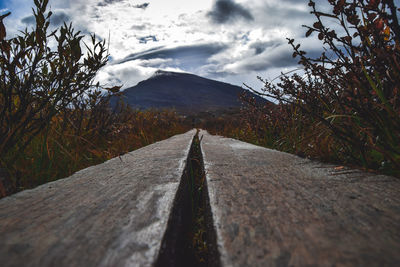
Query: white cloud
{"x": 127, "y": 74}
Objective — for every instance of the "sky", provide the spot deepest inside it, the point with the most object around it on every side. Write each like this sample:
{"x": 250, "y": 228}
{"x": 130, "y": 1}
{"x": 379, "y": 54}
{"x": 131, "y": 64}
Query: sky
{"x": 228, "y": 40}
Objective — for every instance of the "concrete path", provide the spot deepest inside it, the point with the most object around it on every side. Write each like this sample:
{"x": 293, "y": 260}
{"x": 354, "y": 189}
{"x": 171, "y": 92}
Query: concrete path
{"x": 113, "y": 214}
{"x": 276, "y": 209}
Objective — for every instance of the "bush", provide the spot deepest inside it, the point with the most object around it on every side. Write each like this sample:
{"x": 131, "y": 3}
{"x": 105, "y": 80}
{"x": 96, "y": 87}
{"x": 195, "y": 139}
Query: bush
{"x": 38, "y": 81}
{"x": 349, "y": 96}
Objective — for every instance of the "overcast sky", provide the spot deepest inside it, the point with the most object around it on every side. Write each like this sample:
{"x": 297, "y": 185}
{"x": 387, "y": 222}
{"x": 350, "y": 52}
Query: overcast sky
{"x": 229, "y": 40}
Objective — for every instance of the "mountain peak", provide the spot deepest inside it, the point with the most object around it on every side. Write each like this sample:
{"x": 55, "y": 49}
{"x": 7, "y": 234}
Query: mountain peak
{"x": 185, "y": 92}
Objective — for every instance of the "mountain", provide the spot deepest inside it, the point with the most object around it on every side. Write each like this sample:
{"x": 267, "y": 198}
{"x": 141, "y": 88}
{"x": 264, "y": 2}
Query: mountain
{"x": 184, "y": 92}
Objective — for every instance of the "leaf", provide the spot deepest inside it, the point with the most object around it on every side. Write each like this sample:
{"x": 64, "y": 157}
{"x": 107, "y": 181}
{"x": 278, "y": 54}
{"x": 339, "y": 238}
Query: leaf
{"x": 76, "y": 49}
{"x": 2, "y": 31}
{"x": 5, "y": 15}
{"x": 317, "y": 25}
{"x": 16, "y": 102}
{"x": 347, "y": 39}
{"x": 377, "y": 89}
{"x": 309, "y": 32}
{"x": 386, "y": 32}
{"x": 379, "y": 24}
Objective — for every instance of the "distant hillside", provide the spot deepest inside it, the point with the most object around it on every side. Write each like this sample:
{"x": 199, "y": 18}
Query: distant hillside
{"x": 184, "y": 92}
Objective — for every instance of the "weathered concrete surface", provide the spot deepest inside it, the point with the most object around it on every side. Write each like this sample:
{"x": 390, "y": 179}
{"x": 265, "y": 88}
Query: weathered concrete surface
{"x": 113, "y": 214}
{"x": 276, "y": 209}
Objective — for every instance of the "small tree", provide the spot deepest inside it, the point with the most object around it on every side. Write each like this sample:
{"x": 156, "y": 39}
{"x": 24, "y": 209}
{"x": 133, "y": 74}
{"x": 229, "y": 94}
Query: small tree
{"x": 40, "y": 78}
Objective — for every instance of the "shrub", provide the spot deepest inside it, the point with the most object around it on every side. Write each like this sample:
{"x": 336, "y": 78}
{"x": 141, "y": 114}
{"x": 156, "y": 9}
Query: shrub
{"x": 350, "y": 94}
{"x": 39, "y": 81}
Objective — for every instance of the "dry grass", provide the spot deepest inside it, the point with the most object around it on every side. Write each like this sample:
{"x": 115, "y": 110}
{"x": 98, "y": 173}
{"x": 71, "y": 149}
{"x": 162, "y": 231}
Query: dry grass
{"x": 62, "y": 148}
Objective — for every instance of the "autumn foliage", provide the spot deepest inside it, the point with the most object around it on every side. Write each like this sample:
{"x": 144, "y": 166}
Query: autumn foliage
{"x": 345, "y": 105}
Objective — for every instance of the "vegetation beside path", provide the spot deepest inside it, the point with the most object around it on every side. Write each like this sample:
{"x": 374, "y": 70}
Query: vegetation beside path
{"x": 344, "y": 106}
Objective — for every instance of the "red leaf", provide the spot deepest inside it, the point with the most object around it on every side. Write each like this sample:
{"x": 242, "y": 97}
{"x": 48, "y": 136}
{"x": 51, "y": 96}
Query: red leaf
{"x": 379, "y": 24}
{"x": 341, "y": 3}
{"x": 317, "y": 25}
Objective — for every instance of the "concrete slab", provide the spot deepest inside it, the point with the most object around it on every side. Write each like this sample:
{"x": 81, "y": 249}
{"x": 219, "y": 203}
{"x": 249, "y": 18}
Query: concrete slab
{"x": 113, "y": 214}
{"x": 275, "y": 209}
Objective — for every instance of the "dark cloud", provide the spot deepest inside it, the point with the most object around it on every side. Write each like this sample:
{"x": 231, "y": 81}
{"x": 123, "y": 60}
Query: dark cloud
{"x": 143, "y": 6}
{"x": 59, "y": 18}
{"x": 186, "y": 57}
{"x": 56, "y": 19}
{"x": 260, "y": 47}
{"x": 108, "y": 2}
{"x": 204, "y": 50}
{"x": 29, "y": 20}
{"x": 291, "y": 1}
{"x": 277, "y": 56}
{"x": 276, "y": 60}
{"x": 145, "y": 39}
{"x": 226, "y": 10}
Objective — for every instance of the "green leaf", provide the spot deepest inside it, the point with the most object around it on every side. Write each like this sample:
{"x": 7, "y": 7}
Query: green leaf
{"x": 377, "y": 90}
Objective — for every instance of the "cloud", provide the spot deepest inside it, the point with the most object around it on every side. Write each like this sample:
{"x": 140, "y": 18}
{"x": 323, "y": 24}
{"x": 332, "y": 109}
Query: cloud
{"x": 145, "y": 39}
{"x": 58, "y": 18}
{"x": 29, "y": 20}
{"x": 189, "y": 57}
{"x": 111, "y": 2}
{"x": 259, "y": 47}
{"x": 142, "y": 6}
{"x": 139, "y": 27}
{"x": 108, "y": 2}
{"x": 227, "y": 10}
{"x": 129, "y": 73}
{"x": 275, "y": 55}
{"x": 126, "y": 74}
{"x": 206, "y": 50}
{"x": 230, "y": 40}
